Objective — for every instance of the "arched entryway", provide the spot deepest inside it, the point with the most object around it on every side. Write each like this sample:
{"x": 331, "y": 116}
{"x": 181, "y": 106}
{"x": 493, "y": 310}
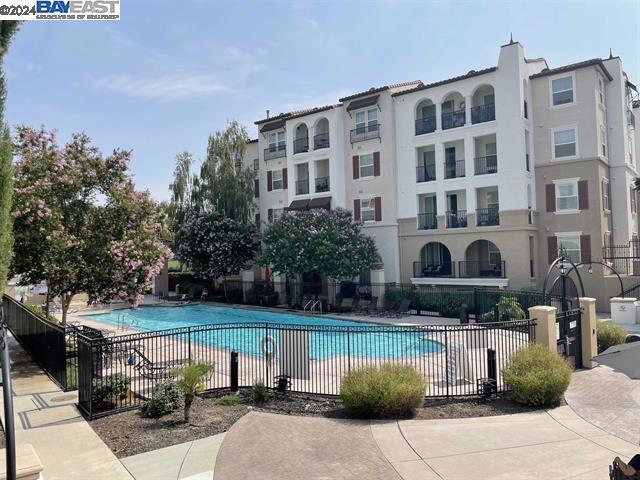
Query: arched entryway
{"x": 435, "y": 261}
{"x": 482, "y": 259}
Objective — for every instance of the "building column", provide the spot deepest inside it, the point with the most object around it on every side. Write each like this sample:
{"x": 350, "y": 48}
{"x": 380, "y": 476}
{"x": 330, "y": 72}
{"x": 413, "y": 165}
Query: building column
{"x": 467, "y": 103}
{"x": 545, "y": 329}
{"x": 588, "y": 331}
{"x": 247, "y": 283}
{"x": 378, "y": 284}
{"x": 438, "y": 117}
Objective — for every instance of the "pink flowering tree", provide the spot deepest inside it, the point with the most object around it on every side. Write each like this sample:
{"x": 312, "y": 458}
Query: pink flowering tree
{"x": 214, "y": 246}
{"x": 329, "y": 243}
{"x": 79, "y": 224}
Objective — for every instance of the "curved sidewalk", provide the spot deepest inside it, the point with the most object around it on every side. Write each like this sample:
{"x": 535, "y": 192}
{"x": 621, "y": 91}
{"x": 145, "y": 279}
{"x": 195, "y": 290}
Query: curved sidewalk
{"x": 548, "y": 444}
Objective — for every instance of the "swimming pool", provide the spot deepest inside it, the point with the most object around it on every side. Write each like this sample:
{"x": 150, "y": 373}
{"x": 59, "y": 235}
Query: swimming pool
{"x": 327, "y": 337}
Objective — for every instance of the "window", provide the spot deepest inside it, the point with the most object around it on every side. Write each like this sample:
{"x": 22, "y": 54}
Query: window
{"x": 564, "y": 143}
{"x": 256, "y": 164}
{"x": 567, "y": 196}
{"x": 603, "y": 140}
{"x": 570, "y": 243}
{"x": 256, "y": 188}
{"x": 276, "y": 141}
{"x": 277, "y": 213}
{"x": 494, "y": 255}
{"x": 601, "y": 91}
{"x": 366, "y": 165}
{"x": 367, "y": 210}
{"x": 277, "y": 181}
{"x": 606, "y": 194}
{"x": 367, "y": 121}
{"x": 238, "y": 163}
{"x": 562, "y": 90}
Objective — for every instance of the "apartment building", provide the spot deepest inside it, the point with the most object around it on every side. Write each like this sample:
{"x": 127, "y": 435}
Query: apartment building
{"x": 474, "y": 180}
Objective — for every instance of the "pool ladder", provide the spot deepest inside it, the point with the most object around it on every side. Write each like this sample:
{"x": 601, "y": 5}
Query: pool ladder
{"x": 313, "y": 306}
{"x": 125, "y": 321}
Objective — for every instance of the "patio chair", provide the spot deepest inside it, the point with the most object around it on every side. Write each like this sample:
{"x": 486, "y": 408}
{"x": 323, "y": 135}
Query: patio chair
{"x": 346, "y": 305}
{"x": 401, "y": 308}
{"x": 364, "y": 305}
{"x": 385, "y": 310}
{"x": 620, "y": 470}
{"x": 155, "y": 370}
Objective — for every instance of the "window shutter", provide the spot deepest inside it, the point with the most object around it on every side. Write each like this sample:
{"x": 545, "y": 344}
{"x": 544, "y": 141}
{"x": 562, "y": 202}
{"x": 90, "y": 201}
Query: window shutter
{"x": 583, "y": 195}
{"x": 378, "y": 209}
{"x": 356, "y": 210}
{"x": 585, "y": 248}
{"x": 550, "y": 193}
{"x": 257, "y": 220}
{"x": 603, "y": 187}
{"x": 376, "y": 164}
{"x": 284, "y": 178}
{"x": 270, "y": 215}
{"x": 256, "y": 188}
{"x": 269, "y": 181}
{"x": 356, "y": 167}
{"x": 552, "y": 247}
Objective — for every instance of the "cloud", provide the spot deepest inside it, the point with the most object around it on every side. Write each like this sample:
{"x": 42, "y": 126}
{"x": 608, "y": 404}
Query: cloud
{"x": 313, "y": 23}
{"x": 163, "y": 87}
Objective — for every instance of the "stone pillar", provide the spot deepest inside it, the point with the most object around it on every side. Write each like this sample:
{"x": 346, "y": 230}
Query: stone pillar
{"x": 280, "y": 286}
{"x": 588, "y": 332}
{"x": 623, "y": 311}
{"x": 247, "y": 283}
{"x": 378, "y": 284}
{"x": 545, "y": 330}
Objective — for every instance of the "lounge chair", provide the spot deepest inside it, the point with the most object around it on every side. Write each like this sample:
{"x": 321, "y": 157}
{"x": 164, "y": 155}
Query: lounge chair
{"x": 155, "y": 370}
{"x": 346, "y": 305}
{"x": 401, "y": 309}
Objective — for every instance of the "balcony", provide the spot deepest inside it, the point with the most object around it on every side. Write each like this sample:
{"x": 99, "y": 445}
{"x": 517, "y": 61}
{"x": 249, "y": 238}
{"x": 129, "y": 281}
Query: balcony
{"x": 483, "y": 113}
{"x": 456, "y": 219}
{"x": 275, "y": 151}
{"x": 486, "y": 217}
{"x": 482, "y": 269}
{"x": 302, "y": 186}
{"x": 427, "y": 221}
{"x": 454, "y": 169}
{"x": 425, "y": 125}
{"x": 453, "y": 119}
{"x": 367, "y": 132}
{"x": 431, "y": 269}
{"x": 322, "y": 184}
{"x": 486, "y": 165}
{"x": 321, "y": 141}
{"x": 300, "y": 145}
{"x": 425, "y": 173}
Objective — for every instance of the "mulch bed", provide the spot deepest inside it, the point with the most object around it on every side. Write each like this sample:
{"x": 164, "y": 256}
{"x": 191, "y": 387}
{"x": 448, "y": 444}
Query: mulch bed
{"x": 129, "y": 433}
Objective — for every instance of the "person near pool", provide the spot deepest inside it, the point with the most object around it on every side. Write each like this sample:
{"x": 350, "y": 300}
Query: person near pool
{"x": 203, "y": 295}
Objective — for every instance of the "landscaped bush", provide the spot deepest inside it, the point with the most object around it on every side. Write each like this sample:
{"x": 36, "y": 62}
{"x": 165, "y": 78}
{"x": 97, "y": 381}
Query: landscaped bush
{"x": 228, "y": 400}
{"x": 387, "y": 391}
{"x": 609, "y": 334}
{"x": 165, "y": 399}
{"x": 508, "y": 309}
{"x": 259, "y": 392}
{"x": 109, "y": 389}
{"x": 41, "y": 313}
{"x": 537, "y": 376}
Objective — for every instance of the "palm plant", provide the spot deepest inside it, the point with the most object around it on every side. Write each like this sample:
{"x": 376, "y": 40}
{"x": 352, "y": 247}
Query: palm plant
{"x": 191, "y": 378}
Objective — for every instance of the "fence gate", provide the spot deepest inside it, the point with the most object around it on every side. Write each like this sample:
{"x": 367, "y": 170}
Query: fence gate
{"x": 569, "y": 336}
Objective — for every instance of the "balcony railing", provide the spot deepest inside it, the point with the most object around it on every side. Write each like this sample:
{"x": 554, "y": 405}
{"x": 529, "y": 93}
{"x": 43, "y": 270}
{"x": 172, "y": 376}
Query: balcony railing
{"x": 427, "y": 221}
{"x": 486, "y": 165}
{"x": 275, "y": 151}
{"x": 302, "y": 186}
{"x": 426, "y": 125}
{"x": 453, "y": 119}
{"x": 526, "y": 158}
{"x": 483, "y": 113}
{"x": 454, "y": 169}
{"x": 431, "y": 269}
{"x": 482, "y": 269}
{"x": 425, "y": 173}
{"x": 300, "y": 145}
{"x": 320, "y": 141}
{"x": 487, "y": 216}
{"x": 456, "y": 219}
{"x": 366, "y": 132}
{"x": 322, "y": 184}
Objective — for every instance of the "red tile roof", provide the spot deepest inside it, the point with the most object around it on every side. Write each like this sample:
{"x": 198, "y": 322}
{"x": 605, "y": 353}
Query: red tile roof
{"x": 574, "y": 66}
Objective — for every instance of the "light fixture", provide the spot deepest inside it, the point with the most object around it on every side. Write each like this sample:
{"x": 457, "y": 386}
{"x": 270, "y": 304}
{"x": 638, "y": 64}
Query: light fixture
{"x": 563, "y": 268}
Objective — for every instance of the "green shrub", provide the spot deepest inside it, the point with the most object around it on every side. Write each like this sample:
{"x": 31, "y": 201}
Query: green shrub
{"x": 259, "y": 392}
{"x": 109, "y": 389}
{"x": 508, "y": 309}
{"x": 228, "y": 400}
{"x": 41, "y": 313}
{"x": 609, "y": 334}
{"x": 191, "y": 380}
{"x": 165, "y": 399}
{"x": 537, "y": 376}
{"x": 390, "y": 390}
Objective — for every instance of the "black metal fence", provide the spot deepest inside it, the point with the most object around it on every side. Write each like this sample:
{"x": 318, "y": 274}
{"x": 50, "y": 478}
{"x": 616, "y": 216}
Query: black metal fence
{"x": 119, "y": 373}
{"x": 625, "y": 259}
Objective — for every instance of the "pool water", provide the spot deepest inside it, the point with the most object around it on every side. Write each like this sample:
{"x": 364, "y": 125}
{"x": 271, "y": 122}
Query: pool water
{"x": 325, "y": 338}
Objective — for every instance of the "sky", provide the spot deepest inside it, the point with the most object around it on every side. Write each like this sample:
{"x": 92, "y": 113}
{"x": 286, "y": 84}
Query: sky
{"x": 167, "y": 74}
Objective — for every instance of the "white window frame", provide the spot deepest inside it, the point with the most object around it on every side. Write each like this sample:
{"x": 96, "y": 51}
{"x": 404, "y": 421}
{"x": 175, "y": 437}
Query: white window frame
{"x": 570, "y": 236}
{"x": 369, "y": 209}
{"x": 277, "y": 214}
{"x": 367, "y": 119}
{"x": 606, "y": 188}
{"x": 361, "y": 167}
{"x": 274, "y": 180}
{"x": 600, "y": 92}
{"x": 567, "y": 181}
{"x": 573, "y": 90}
{"x": 279, "y": 138}
{"x": 603, "y": 141}
{"x": 553, "y": 142}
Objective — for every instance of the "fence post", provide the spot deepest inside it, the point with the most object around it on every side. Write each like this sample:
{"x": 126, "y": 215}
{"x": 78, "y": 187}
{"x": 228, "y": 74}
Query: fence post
{"x": 234, "y": 371}
{"x": 545, "y": 329}
{"x": 588, "y": 331}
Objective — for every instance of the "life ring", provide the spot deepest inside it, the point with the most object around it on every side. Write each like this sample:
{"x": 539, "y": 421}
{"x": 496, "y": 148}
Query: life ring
{"x": 268, "y": 345}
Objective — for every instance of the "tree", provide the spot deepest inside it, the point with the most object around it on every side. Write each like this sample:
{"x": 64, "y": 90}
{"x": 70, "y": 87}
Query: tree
{"x": 79, "y": 224}
{"x": 7, "y": 29}
{"x": 318, "y": 241}
{"x": 214, "y": 246}
{"x": 191, "y": 380}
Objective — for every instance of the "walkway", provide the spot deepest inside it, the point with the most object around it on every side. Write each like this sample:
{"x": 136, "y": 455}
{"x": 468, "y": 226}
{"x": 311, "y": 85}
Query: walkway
{"x": 47, "y": 418}
{"x": 548, "y": 444}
